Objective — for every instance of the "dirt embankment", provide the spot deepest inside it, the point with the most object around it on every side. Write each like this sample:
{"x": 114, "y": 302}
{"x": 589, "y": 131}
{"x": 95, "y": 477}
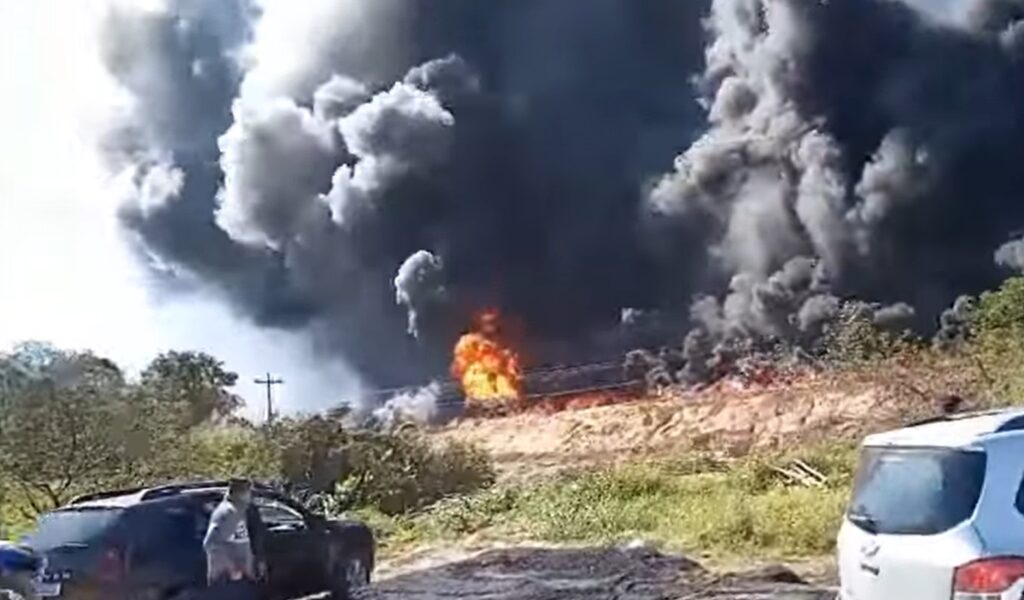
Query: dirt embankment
{"x": 726, "y": 419}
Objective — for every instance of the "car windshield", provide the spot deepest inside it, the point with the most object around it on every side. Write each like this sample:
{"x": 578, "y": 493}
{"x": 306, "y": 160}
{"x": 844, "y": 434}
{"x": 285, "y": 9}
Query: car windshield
{"x": 76, "y": 527}
{"x": 920, "y": 491}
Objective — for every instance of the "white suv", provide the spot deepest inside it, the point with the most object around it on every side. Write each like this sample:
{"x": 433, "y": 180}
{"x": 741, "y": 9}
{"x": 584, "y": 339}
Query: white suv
{"x": 937, "y": 512}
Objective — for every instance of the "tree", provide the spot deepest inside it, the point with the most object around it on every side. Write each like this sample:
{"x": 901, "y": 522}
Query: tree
{"x": 193, "y": 379}
{"x": 1001, "y": 312}
{"x": 997, "y": 339}
{"x": 72, "y": 424}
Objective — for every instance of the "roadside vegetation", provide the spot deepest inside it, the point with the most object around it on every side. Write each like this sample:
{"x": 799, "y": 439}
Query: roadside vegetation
{"x": 72, "y": 422}
{"x": 697, "y": 504}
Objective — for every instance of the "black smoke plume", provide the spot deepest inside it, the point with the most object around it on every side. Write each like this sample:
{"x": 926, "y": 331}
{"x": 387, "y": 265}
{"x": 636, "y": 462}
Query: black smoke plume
{"x": 373, "y": 171}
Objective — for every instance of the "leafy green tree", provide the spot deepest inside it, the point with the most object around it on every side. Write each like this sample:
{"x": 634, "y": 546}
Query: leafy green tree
{"x": 997, "y": 339}
{"x": 193, "y": 379}
{"x": 1001, "y": 312}
{"x": 237, "y": 450}
{"x": 72, "y": 424}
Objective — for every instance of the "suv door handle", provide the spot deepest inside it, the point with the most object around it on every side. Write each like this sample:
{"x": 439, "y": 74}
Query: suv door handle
{"x": 873, "y": 569}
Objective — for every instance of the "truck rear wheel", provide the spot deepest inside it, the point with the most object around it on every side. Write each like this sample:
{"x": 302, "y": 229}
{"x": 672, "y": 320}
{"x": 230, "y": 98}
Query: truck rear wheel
{"x": 351, "y": 573}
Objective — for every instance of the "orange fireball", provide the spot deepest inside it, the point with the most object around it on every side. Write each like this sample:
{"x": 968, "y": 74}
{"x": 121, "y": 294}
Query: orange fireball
{"x": 487, "y": 369}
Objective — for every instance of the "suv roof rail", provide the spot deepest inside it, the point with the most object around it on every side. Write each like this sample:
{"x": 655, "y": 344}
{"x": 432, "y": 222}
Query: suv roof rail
{"x": 1012, "y": 424}
{"x": 160, "y": 491}
{"x": 171, "y": 489}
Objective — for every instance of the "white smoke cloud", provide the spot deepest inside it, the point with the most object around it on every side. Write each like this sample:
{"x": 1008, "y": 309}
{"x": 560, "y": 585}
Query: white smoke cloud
{"x": 276, "y": 158}
{"x": 297, "y": 46}
{"x": 338, "y": 97}
{"x": 897, "y": 173}
{"x": 399, "y": 130}
{"x": 416, "y": 406}
{"x": 419, "y": 283}
{"x": 821, "y": 197}
{"x": 769, "y": 176}
{"x": 1011, "y": 255}
{"x": 149, "y": 187}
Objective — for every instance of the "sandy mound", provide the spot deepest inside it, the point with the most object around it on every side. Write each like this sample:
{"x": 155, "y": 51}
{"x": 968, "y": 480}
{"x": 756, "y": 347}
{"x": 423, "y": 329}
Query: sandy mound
{"x": 724, "y": 419}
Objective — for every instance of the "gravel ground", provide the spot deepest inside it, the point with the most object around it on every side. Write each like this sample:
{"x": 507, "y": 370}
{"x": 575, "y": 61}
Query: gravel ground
{"x": 591, "y": 574}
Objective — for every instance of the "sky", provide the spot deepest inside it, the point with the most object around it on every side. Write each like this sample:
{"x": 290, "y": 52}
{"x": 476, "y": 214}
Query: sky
{"x": 66, "y": 273}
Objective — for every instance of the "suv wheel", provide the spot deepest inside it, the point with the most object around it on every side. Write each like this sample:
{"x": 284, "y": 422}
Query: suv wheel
{"x": 357, "y": 574}
{"x": 350, "y": 574}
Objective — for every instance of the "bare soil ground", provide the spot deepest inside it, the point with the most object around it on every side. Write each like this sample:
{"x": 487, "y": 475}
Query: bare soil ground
{"x": 592, "y": 574}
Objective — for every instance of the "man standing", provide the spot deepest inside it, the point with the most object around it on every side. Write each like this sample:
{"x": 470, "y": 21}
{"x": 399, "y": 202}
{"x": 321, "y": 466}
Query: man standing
{"x": 230, "y": 564}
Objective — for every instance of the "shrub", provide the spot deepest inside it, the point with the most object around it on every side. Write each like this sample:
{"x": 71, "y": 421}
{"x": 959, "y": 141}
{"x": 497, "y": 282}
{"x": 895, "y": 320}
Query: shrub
{"x": 231, "y": 451}
{"x": 337, "y": 469}
{"x": 854, "y": 340}
{"x": 997, "y": 339}
{"x": 397, "y": 473}
{"x": 462, "y": 515}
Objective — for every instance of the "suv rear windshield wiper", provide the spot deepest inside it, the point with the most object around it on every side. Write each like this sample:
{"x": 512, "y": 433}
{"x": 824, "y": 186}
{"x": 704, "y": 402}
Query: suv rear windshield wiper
{"x": 864, "y": 521}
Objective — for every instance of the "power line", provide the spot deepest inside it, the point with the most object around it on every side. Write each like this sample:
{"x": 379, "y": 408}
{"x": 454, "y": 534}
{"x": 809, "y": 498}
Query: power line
{"x": 547, "y": 370}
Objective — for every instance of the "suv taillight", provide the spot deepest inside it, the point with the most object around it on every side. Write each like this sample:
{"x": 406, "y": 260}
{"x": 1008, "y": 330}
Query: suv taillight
{"x": 988, "y": 576}
{"x": 110, "y": 568}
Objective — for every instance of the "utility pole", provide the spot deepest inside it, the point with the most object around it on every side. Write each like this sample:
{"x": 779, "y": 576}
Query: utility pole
{"x": 270, "y": 382}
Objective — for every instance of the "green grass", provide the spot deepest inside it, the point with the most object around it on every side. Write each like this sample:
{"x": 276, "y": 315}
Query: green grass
{"x": 692, "y": 504}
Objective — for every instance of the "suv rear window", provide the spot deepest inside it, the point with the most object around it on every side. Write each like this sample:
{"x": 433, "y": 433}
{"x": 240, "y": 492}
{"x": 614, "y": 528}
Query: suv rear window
{"x": 75, "y": 527}
{"x": 915, "y": 491}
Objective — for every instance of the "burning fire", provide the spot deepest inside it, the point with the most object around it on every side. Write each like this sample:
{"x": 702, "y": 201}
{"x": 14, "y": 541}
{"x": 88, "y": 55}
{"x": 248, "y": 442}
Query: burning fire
{"x": 487, "y": 369}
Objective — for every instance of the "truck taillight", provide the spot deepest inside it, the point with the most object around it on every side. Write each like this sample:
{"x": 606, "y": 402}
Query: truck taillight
{"x": 110, "y": 568}
{"x": 988, "y": 576}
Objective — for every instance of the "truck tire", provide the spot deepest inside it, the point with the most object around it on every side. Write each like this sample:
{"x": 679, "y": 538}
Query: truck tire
{"x": 15, "y": 587}
{"x": 354, "y": 560}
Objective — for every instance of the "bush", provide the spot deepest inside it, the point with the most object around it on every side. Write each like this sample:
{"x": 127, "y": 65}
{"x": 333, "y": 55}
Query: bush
{"x": 400, "y": 473}
{"x": 997, "y": 339}
{"x": 337, "y": 469}
{"x": 855, "y": 341}
{"x": 231, "y": 451}
{"x": 463, "y": 515}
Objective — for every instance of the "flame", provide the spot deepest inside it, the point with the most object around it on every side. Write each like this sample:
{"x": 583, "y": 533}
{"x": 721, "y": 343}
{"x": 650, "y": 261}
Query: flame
{"x": 487, "y": 369}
